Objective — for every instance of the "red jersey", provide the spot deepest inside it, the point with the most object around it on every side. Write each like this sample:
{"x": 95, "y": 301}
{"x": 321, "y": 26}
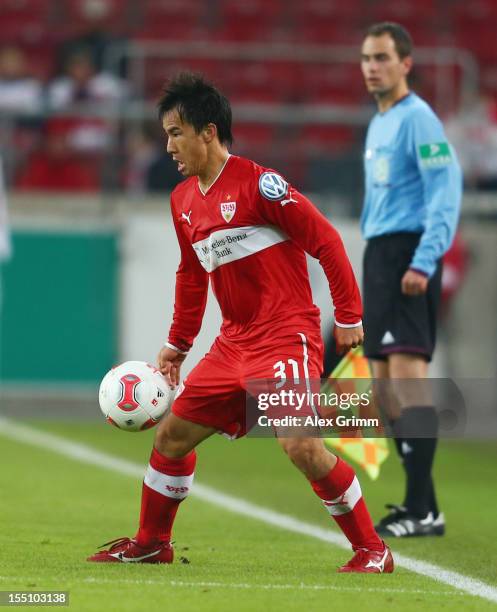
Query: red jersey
{"x": 249, "y": 234}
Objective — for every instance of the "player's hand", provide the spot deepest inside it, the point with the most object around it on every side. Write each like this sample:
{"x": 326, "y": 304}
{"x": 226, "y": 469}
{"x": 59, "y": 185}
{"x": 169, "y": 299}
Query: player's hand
{"x": 347, "y": 338}
{"x": 170, "y": 362}
{"x": 414, "y": 283}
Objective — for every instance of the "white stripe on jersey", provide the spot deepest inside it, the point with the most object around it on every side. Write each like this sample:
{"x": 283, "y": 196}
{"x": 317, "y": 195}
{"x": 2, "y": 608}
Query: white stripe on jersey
{"x": 231, "y": 244}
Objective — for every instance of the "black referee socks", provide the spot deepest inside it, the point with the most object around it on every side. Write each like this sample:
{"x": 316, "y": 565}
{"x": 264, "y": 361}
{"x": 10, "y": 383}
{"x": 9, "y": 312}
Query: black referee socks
{"x": 416, "y": 440}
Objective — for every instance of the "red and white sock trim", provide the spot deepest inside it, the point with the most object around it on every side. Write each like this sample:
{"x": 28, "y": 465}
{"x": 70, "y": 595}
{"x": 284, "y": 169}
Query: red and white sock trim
{"x": 341, "y": 495}
{"x": 170, "y": 477}
{"x": 346, "y": 501}
{"x": 176, "y": 487}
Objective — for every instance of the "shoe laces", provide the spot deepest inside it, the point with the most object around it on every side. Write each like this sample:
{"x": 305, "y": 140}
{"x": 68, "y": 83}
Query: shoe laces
{"x": 359, "y": 557}
{"x": 116, "y": 543}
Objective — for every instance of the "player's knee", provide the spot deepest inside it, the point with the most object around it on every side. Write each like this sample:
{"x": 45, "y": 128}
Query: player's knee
{"x": 171, "y": 441}
{"x": 301, "y": 451}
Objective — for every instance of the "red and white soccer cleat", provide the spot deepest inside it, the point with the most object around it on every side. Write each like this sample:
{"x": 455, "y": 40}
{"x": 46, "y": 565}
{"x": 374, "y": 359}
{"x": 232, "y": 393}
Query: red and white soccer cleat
{"x": 370, "y": 562}
{"x": 125, "y": 550}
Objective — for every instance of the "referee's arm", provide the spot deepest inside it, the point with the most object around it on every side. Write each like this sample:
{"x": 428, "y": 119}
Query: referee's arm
{"x": 442, "y": 187}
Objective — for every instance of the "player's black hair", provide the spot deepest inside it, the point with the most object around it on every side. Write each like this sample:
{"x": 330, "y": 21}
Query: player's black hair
{"x": 198, "y": 103}
{"x": 399, "y": 35}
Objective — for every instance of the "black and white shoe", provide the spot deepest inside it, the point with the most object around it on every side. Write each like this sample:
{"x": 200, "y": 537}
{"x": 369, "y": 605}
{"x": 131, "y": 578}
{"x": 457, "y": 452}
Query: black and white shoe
{"x": 396, "y": 512}
{"x": 411, "y": 527}
{"x": 439, "y": 524}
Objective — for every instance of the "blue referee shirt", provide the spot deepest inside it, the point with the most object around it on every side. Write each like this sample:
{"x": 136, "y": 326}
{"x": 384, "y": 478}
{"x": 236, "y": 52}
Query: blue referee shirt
{"x": 413, "y": 180}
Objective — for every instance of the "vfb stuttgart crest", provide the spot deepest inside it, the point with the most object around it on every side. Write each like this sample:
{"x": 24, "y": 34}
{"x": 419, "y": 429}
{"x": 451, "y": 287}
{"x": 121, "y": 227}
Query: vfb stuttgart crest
{"x": 228, "y": 210}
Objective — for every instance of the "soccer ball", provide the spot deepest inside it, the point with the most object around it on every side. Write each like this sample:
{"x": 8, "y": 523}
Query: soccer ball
{"x": 134, "y": 396}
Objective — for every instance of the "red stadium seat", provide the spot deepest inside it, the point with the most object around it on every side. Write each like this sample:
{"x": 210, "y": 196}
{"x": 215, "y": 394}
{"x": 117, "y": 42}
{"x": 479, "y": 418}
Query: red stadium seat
{"x": 326, "y": 33}
{"x": 114, "y": 11}
{"x": 26, "y": 10}
{"x": 158, "y": 70}
{"x": 333, "y": 83}
{"x": 261, "y": 12}
{"x": 476, "y": 10}
{"x": 248, "y": 135}
{"x": 70, "y": 173}
{"x": 257, "y": 141}
{"x": 21, "y": 30}
{"x": 479, "y": 38}
{"x": 328, "y": 11}
{"x": 172, "y": 14}
{"x": 404, "y": 11}
{"x": 41, "y": 59}
{"x": 271, "y": 81}
{"x": 327, "y": 139}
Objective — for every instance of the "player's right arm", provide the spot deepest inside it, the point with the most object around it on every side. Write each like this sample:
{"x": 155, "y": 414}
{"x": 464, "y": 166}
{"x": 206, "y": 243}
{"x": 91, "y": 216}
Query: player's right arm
{"x": 192, "y": 282}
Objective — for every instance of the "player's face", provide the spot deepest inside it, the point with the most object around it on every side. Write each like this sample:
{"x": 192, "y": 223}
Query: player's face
{"x": 382, "y": 68}
{"x": 187, "y": 148}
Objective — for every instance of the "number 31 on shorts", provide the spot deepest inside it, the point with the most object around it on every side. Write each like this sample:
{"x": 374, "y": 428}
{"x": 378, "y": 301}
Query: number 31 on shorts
{"x": 280, "y": 371}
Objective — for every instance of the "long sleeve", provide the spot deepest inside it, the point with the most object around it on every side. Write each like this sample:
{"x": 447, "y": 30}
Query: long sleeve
{"x": 312, "y": 232}
{"x": 192, "y": 282}
{"x": 442, "y": 186}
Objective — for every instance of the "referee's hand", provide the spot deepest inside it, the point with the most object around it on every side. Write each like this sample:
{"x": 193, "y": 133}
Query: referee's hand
{"x": 347, "y": 338}
{"x": 414, "y": 283}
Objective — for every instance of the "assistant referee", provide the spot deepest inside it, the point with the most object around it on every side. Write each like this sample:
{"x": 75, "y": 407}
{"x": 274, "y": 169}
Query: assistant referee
{"x": 411, "y": 209}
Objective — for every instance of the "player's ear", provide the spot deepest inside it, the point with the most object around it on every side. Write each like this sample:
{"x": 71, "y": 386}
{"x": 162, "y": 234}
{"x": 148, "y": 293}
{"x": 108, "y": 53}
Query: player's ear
{"x": 209, "y": 132}
{"x": 407, "y": 63}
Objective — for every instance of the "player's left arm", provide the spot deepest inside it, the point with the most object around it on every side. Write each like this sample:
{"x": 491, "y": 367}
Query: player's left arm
{"x": 442, "y": 186}
{"x": 307, "y": 227}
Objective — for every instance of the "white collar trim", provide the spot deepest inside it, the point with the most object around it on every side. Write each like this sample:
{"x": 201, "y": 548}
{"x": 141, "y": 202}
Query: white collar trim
{"x": 219, "y": 174}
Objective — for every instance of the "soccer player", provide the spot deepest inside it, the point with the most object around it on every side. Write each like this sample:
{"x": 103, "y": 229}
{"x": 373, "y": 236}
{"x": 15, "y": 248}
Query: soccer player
{"x": 411, "y": 209}
{"x": 247, "y": 230}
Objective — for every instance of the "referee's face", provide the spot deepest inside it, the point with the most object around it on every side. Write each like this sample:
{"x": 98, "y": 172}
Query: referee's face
{"x": 383, "y": 70}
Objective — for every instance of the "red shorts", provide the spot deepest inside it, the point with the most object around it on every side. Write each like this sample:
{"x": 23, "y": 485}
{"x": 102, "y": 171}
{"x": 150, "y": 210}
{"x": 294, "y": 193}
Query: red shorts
{"x": 214, "y": 393}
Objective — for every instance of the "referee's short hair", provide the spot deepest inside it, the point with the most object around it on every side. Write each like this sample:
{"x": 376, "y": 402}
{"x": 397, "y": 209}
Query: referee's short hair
{"x": 399, "y": 35}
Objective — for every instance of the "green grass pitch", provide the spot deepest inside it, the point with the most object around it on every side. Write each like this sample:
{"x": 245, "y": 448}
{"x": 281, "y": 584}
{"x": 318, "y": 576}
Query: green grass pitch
{"x": 55, "y": 511}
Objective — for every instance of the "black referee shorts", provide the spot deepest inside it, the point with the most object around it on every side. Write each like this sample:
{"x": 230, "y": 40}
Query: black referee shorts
{"x": 394, "y": 322}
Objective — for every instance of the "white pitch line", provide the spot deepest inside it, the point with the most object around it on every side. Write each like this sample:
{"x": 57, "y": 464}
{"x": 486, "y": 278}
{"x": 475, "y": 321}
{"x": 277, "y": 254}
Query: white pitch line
{"x": 86, "y": 454}
{"x": 280, "y": 587}
{"x": 299, "y": 586}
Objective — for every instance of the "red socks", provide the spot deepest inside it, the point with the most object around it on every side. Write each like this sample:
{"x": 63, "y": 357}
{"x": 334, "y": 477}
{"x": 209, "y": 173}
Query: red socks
{"x": 342, "y": 496}
{"x": 167, "y": 482}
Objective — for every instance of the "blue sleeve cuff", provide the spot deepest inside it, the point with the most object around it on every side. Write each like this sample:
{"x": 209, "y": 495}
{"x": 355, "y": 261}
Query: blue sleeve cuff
{"x": 419, "y": 271}
{"x": 423, "y": 267}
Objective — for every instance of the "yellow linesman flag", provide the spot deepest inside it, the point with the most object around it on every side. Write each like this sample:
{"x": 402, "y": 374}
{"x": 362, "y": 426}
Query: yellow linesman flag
{"x": 369, "y": 453}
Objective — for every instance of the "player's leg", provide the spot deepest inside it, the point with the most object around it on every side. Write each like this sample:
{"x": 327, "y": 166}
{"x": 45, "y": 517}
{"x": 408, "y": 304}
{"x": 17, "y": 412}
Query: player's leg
{"x": 201, "y": 408}
{"x": 336, "y": 484}
{"x": 414, "y": 423}
{"x": 167, "y": 482}
{"x": 294, "y": 360}
{"x": 386, "y": 399}
{"x": 169, "y": 477}
{"x": 397, "y": 324}
{"x": 384, "y": 395}
{"x": 417, "y": 425}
